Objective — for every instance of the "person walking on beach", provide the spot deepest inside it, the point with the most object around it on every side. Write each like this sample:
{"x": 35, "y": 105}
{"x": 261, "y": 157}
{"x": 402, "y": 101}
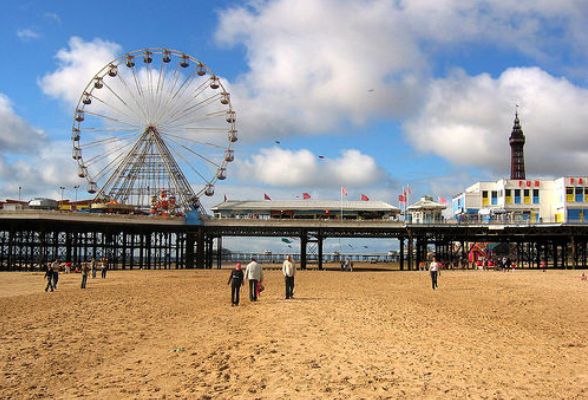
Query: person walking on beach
{"x": 93, "y": 267}
{"x": 85, "y": 270}
{"x": 49, "y": 278}
{"x": 236, "y": 281}
{"x": 254, "y": 274}
{"x": 103, "y": 269}
{"x": 55, "y": 269}
{"x": 434, "y": 270}
{"x": 289, "y": 271}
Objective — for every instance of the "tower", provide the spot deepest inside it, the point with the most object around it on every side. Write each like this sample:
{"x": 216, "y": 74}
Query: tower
{"x": 517, "y": 157}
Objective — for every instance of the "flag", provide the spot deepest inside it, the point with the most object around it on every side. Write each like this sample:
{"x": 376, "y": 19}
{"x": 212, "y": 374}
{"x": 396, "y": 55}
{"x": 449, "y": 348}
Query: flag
{"x": 305, "y": 196}
{"x": 266, "y": 197}
{"x": 343, "y": 191}
{"x": 407, "y": 190}
{"x": 442, "y": 200}
{"x": 402, "y": 198}
{"x": 364, "y": 197}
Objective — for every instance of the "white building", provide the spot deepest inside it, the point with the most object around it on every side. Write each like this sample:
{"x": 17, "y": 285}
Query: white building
{"x": 425, "y": 211}
{"x": 562, "y": 200}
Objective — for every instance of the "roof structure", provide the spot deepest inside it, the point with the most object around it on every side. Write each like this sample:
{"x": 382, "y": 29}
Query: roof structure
{"x": 306, "y": 205}
{"x": 426, "y": 203}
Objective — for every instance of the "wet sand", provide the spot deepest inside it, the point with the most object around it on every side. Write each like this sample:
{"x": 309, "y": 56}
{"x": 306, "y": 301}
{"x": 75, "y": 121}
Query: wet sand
{"x": 371, "y": 335}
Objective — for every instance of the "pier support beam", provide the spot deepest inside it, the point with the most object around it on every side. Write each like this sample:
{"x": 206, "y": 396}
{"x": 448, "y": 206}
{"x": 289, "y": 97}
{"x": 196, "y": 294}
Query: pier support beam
{"x": 401, "y": 251}
{"x": 303, "y": 244}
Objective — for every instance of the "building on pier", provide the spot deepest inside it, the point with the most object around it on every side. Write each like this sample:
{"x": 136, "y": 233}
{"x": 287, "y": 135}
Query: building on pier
{"x": 306, "y": 209}
{"x": 425, "y": 211}
{"x": 561, "y": 200}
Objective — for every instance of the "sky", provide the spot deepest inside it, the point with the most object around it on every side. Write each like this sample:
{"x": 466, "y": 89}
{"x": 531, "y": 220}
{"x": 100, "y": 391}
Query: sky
{"x": 389, "y": 93}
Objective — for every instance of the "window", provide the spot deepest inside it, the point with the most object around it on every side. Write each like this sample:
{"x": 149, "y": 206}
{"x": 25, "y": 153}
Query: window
{"x": 494, "y": 195}
{"x": 517, "y": 195}
{"x": 535, "y": 196}
{"x": 579, "y": 194}
{"x": 570, "y": 194}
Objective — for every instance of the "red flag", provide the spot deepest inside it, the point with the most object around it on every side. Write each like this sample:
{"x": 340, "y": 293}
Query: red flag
{"x": 407, "y": 191}
{"x": 343, "y": 191}
{"x": 401, "y": 198}
{"x": 266, "y": 197}
{"x": 442, "y": 200}
{"x": 305, "y": 196}
{"x": 364, "y": 198}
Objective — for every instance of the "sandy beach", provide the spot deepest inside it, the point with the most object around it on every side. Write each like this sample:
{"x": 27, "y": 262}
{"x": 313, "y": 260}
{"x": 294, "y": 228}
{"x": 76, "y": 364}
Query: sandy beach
{"x": 370, "y": 335}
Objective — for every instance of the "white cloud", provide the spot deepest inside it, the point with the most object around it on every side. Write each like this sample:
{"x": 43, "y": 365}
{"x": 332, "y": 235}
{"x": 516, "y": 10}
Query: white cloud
{"x": 54, "y": 17}
{"x": 76, "y": 67}
{"x": 468, "y": 120}
{"x": 317, "y": 64}
{"x": 42, "y": 174}
{"x": 312, "y": 64}
{"x": 16, "y": 134}
{"x": 288, "y": 168}
{"x": 27, "y": 34}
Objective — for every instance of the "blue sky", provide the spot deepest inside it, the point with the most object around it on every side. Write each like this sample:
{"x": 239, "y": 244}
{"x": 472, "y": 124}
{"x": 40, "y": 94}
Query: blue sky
{"x": 389, "y": 92}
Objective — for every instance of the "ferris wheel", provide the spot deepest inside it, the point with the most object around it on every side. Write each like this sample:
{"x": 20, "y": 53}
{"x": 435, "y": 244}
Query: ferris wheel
{"x": 153, "y": 121}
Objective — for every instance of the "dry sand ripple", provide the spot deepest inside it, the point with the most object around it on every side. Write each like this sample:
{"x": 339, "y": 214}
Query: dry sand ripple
{"x": 371, "y": 335}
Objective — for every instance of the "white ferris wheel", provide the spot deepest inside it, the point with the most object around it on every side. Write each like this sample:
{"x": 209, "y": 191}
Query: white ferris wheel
{"x": 153, "y": 121}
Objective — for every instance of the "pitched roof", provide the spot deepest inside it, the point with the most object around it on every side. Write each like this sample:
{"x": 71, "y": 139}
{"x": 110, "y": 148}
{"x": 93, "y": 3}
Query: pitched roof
{"x": 426, "y": 203}
{"x": 306, "y": 205}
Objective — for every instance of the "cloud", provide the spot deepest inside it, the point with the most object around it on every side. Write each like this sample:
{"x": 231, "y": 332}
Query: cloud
{"x": 468, "y": 119}
{"x": 316, "y": 65}
{"x": 54, "y": 17}
{"x": 301, "y": 168}
{"x": 76, "y": 67}
{"x": 43, "y": 174}
{"x": 16, "y": 134}
{"x": 27, "y": 34}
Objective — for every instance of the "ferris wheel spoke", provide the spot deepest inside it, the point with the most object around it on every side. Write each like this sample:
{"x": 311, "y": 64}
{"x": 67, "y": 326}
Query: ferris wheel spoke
{"x": 182, "y": 88}
{"x": 168, "y": 94}
{"x": 195, "y": 153}
{"x": 113, "y": 108}
{"x": 132, "y": 96}
{"x": 200, "y": 88}
{"x": 195, "y": 107}
{"x": 100, "y": 157}
{"x": 128, "y": 106}
{"x": 191, "y": 141}
{"x": 108, "y": 140}
{"x": 207, "y": 181}
{"x": 194, "y": 119}
{"x": 109, "y": 118}
{"x": 93, "y": 129}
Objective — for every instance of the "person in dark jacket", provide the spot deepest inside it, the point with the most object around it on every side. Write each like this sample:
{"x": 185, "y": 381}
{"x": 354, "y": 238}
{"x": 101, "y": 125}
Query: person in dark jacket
{"x": 236, "y": 280}
{"x": 85, "y": 272}
{"x": 49, "y": 278}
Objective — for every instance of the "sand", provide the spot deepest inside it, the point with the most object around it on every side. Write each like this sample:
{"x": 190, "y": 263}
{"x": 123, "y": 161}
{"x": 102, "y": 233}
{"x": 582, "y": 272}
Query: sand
{"x": 371, "y": 335}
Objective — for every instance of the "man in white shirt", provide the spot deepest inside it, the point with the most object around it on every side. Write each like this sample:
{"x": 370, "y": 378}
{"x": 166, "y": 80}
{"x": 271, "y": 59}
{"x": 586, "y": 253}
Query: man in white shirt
{"x": 289, "y": 270}
{"x": 254, "y": 274}
{"x": 434, "y": 270}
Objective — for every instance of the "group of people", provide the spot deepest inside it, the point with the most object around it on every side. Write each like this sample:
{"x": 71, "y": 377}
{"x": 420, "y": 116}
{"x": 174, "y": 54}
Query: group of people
{"x": 254, "y": 275}
{"x": 87, "y": 267}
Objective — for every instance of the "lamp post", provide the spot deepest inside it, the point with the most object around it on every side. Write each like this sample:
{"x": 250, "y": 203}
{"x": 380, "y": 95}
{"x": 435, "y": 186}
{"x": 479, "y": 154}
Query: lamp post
{"x": 19, "y": 190}
{"x": 76, "y": 187}
{"x": 62, "y": 189}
